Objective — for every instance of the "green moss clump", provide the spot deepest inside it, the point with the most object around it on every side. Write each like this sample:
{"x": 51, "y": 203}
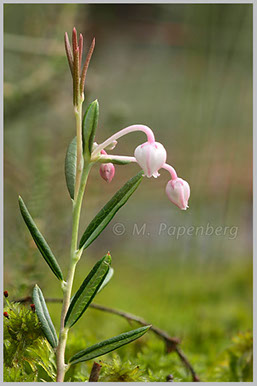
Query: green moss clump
{"x": 27, "y": 354}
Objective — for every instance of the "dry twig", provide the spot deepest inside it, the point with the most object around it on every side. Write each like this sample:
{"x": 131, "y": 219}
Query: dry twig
{"x": 95, "y": 372}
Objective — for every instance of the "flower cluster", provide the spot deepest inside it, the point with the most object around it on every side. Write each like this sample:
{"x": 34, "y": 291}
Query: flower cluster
{"x": 151, "y": 157}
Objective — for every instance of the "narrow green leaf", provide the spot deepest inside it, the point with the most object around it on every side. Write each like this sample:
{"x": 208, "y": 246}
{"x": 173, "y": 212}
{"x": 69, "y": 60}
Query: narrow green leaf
{"x": 40, "y": 241}
{"x": 108, "y": 345}
{"x": 70, "y": 166}
{"x": 102, "y": 219}
{"x": 87, "y": 291}
{"x": 89, "y": 126}
{"x": 107, "y": 279}
{"x": 44, "y": 317}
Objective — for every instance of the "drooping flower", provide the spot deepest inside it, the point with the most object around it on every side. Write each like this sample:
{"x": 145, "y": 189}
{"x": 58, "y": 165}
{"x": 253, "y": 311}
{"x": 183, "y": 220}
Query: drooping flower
{"x": 178, "y": 192}
{"x": 151, "y": 157}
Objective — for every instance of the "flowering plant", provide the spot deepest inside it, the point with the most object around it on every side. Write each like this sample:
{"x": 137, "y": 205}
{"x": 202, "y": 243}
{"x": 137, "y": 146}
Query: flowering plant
{"x": 82, "y": 154}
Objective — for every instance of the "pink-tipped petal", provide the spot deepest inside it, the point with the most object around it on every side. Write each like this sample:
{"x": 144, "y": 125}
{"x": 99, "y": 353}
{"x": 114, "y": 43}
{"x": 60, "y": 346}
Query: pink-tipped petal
{"x": 151, "y": 157}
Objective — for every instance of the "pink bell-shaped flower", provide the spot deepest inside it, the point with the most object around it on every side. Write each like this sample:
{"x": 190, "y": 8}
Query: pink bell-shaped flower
{"x": 151, "y": 157}
{"x": 107, "y": 171}
{"x": 178, "y": 192}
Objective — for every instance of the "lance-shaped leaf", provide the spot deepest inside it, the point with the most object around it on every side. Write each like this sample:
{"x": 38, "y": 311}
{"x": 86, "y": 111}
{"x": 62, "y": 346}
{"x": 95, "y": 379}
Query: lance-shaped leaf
{"x": 105, "y": 215}
{"x": 44, "y": 317}
{"x": 89, "y": 126}
{"x": 108, "y": 345}
{"x": 70, "y": 166}
{"x": 87, "y": 291}
{"x": 105, "y": 282}
{"x": 40, "y": 241}
{"x": 107, "y": 279}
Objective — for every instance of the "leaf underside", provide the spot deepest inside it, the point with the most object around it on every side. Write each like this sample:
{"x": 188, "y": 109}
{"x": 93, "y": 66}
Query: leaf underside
{"x": 44, "y": 317}
{"x": 89, "y": 125}
{"x": 70, "y": 166}
{"x": 107, "y": 279}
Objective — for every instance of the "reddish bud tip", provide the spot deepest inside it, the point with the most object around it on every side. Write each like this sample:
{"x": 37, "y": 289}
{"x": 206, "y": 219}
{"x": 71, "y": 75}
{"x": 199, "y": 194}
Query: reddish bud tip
{"x": 32, "y": 306}
{"x": 6, "y": 294}
{"x": 74, "y": 39}
{"x": 80, "y": 49}
{"x": 6, "y": 315}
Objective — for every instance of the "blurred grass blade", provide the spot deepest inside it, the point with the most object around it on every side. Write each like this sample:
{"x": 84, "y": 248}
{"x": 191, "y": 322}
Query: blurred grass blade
{"x": 40, "y": 241}
{"x": 44, "y": 317}
{"x": 107, "y": 279}
{"x": 108, "y": 345}
{"x": 105, "y": 215}
{"x": 87, "y": 291}
{"x": 89, "y": 126}
{"x": 70, "y": 166}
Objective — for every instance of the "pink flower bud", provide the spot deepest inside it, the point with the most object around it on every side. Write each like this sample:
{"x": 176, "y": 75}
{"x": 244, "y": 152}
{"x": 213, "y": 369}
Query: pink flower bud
{"x": 178, "y": 192}
{"x": 151, "y": 157}
{"x": 107, "y": 171}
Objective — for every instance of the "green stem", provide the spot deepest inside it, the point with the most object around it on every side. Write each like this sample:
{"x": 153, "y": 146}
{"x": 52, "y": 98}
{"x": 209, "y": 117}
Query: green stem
{"x": 74, "y": 258}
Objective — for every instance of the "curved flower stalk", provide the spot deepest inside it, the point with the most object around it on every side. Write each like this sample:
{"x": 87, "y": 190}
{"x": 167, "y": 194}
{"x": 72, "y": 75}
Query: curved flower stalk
{"x": 130, "y": 129}
{"x": 82, "y": 154}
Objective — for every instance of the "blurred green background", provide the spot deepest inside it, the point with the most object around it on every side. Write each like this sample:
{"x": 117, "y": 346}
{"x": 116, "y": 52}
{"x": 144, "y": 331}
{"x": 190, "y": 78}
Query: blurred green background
{"x": 186, "y": 72}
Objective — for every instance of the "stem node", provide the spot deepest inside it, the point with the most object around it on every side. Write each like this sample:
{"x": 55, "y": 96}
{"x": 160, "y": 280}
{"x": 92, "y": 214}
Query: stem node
{"x": 64, "y": 285}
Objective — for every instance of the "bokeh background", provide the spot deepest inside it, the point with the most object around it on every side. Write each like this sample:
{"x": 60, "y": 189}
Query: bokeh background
{"x": 186, "y": 71}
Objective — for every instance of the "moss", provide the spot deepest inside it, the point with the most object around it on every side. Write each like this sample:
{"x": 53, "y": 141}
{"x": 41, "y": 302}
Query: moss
{"x": 27, "y": 354}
